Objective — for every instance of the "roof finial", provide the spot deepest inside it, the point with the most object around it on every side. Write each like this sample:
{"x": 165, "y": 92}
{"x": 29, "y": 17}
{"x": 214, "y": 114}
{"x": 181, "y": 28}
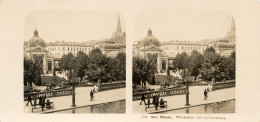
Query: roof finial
{"x": 35, "y": 33}
{"x": 118, "y": 29}
{"x": 150, "y": 32}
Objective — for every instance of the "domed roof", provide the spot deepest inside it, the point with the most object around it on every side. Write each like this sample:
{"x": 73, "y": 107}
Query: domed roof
{"x": 150, "y": 39}
{"x": 36, "y": 40}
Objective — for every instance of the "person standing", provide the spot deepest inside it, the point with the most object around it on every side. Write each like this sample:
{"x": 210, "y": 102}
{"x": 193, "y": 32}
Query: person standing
{"x": 148, "y": 100}
{"x": 40, "y": 100}
{"x": 43, "y": 103}
{"x": 91, "y": 95}
{"x": 142, "y": 99}
{"x": 29, "y": 99}
{"x": 156, "y": 103}
{"x": 205, "y": 94}
{"x": 34, "y": 101}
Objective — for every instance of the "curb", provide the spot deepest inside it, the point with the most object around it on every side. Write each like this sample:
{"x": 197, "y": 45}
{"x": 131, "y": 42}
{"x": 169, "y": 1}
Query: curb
{"x": 53, "y": 111}
{"x": 158, "y": 112}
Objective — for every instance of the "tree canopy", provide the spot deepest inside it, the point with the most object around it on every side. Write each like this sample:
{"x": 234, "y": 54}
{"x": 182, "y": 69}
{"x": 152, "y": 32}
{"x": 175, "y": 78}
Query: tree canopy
{"x": 96, "y": 66}
{"x": 143, "y": 70}
{"x": 32, "y": 71}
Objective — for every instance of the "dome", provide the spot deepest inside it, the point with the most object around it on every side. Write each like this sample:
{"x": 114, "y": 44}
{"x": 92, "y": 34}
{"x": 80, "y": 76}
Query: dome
{"x": 150, "y": 39}
{"x": 36, "y": 40}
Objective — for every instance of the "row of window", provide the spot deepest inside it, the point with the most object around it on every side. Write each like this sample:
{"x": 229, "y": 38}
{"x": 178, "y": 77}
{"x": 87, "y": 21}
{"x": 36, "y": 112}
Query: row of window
{"x": 65, "y": 53}
{"x": 183, "y": 47}
{"x": 178, "y": 52}
{"x": 68, "y": 48}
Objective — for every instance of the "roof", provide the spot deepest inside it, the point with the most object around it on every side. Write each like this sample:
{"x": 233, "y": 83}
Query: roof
{"x": 226, "y": 53}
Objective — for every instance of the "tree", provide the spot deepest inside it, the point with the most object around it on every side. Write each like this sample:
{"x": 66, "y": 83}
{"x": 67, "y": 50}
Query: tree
{"x": 195, "y": 60}
{"x": 67, "y": 63}
{"x": 98, "y": 66}
{"x": 229, "y": 67}
{"x": 210, "y": 69}
{"x": 32, "y": 71}
{"x": 180, "y": 62}
{"x": 117, "y": 70}
{"x": 143, "y": 70}
{"x": 81, "y": 63}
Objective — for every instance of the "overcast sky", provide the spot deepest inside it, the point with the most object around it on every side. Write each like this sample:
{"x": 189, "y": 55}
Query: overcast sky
{"x": 182, "y": 25}
{"x": 72, "y": 25}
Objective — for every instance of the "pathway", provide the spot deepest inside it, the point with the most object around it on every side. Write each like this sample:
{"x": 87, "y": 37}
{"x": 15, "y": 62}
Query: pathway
{"x": 82, "y": 99}
{"x": 196, "y": 97}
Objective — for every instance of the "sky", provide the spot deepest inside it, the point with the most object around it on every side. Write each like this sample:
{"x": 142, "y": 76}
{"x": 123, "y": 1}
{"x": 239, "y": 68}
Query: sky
{"x": 186, "y": 25}
{"x": 72, "y": 25}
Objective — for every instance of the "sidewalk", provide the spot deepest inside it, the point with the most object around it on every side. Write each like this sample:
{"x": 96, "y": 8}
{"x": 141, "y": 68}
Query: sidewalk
{"x": 82, "y": 99}
{"x": 196, "y": 97}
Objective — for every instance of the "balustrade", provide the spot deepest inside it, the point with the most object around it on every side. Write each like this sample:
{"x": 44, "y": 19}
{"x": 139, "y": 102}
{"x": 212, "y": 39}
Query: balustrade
{"x": 108, "y": 86}
{"x": 55, "y": 93}
{"x": 223, "y": 85}
{"x": 162, "y": 93}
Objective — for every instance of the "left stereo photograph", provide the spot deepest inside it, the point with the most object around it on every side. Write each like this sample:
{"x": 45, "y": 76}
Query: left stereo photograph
{"x": 74, "y": 62}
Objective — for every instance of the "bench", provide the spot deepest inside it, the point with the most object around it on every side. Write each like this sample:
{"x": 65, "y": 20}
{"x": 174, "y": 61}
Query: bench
{"x": 160, "y": 105}
{"x": 34, "y": 106}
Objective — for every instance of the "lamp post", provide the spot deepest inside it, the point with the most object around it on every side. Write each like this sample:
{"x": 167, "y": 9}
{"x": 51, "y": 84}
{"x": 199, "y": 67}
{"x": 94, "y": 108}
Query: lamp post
{"x": 186, "y": 80}
{"x": 72, "y": 83}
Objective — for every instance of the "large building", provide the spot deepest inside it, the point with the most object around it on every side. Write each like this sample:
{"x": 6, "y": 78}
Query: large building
{"x": 225, "y": 46}
{"x": 163, "y": 53}
{"x": 117, "y": 43}
{"x": 51, "y": 53}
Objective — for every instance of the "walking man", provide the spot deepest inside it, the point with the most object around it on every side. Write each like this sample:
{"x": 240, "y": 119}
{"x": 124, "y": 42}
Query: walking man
{"x": 142, "y": 99}
{"x": 91, "y": 95}
{"x": 205, "y": 94}
{"x": 29, "y": 99}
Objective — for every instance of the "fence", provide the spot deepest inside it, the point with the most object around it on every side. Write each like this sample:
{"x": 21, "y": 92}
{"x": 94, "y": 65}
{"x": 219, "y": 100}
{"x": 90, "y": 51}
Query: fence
{"x": 223, "y": 85}
{"x": 168, "y": 92}
{"x": 55, "y": 93}
{"x": 108, "y": 86}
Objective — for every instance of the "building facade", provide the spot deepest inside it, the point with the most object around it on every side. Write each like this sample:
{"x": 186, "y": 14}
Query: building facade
{"x": 165, "y": 52}
{"x": 51, "y": 53}
{"x": 225, "y": 46}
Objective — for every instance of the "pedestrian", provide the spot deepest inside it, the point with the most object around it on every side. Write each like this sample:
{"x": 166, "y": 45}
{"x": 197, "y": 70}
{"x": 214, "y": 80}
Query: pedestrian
{"x": 34, "y": 101}
{"x": 162, "y": 105}
{"x": 94, "y": 89}
{"x": 91, "y": 95}
{"x": 205, "y": 94}
{"x": 29, "y": 99}
{"x": 40, "y": 99}
{"x": 48, "y": 104}
{"x": 148, "y": 100}
{"x": 156, "y": 103}
{"x": 142, "y": 99}
{"x": 43, "y": 103}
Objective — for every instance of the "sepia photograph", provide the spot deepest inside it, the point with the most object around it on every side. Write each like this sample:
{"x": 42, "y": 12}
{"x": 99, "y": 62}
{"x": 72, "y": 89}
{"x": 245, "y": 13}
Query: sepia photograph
{"x": 130, "y": 60}
{"x": 74, "y": 62}
{"x": 184, "y": 62}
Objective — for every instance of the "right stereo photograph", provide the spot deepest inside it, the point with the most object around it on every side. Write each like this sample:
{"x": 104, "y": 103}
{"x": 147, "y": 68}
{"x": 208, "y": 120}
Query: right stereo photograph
{"x": 184, "y": 62}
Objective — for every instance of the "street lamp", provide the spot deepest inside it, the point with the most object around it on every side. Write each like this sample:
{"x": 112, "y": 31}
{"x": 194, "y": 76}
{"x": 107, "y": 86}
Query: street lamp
{"x": 73, "y": 83}
{"x": 186, "y": 80}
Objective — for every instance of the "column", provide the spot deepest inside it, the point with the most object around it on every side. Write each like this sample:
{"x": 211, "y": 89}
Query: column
{"x": 159, "y": 63}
